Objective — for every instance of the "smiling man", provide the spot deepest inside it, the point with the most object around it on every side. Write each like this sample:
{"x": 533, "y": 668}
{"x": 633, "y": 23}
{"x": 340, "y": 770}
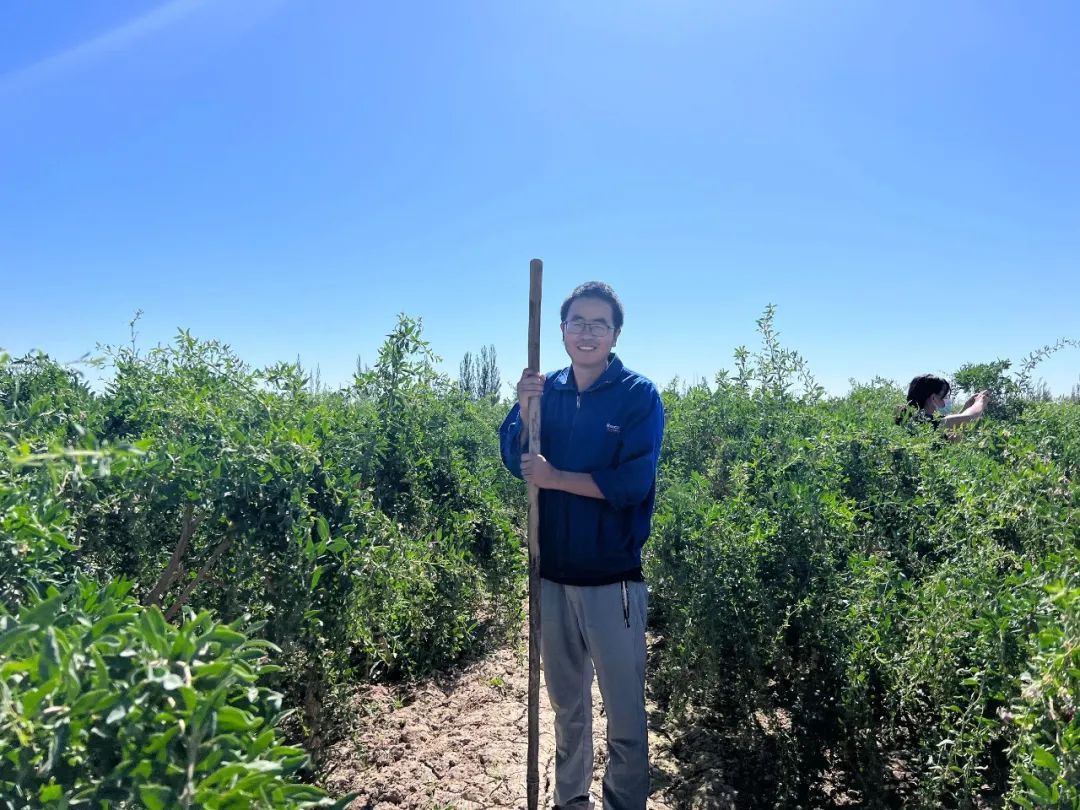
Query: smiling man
{"x": 601, "y": 426}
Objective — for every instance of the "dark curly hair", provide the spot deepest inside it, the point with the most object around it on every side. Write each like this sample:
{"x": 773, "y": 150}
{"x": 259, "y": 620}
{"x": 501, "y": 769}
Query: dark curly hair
{"x": 923, "y": 387}
{"x": 595, "y": 289}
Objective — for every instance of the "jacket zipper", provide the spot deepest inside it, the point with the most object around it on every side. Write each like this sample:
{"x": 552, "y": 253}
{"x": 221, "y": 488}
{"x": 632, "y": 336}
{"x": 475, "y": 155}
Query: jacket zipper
{"x": 573, "y": 424}
{"x": 625, "y": 604}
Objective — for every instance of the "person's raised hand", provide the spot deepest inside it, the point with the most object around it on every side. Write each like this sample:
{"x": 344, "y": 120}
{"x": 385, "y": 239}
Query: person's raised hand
{"x": 982, "y": 398}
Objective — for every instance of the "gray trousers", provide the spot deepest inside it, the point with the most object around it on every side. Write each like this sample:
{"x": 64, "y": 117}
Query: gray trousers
{"x": 601, "y": 626}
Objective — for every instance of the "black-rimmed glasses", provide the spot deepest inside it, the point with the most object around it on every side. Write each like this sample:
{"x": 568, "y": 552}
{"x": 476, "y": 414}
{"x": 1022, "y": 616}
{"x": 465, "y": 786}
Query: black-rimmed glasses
{"x": 594, "y": 328}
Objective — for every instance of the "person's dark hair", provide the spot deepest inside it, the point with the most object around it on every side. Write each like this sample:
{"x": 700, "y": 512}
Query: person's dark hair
{"x": 923, "y": 387}
{"x": 595, "y": 289}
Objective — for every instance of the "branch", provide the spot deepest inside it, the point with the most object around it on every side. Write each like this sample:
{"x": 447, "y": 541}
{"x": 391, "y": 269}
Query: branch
{"x": 172, "y": 570}
{"x": 181, "y": 600}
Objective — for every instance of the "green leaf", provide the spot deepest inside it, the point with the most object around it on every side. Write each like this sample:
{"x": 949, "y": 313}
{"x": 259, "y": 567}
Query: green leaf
{"x": 11, "y": 667}
{"x": 155, "y": 624}
{"x": 101, "y": 626}
{"x": 10, "y": 637}
{"x": 96, "y": 699}
{"x": 211, "y": 670}
{"x": 211, "y": 760}
{"x": 155, "y": 797}
{"x": 143, "y": 770}
{"x": 1038, "y": 787}
{"x": 262, "y": 766}
{"x": 260, "y": 743}
{"x": 323, "y": 528}
{"x": 50, "y": 793}
{"x": 302, "y": 793}
{"x": 224, "y": 635}
{"x": 1044, "y": 759}
{"x": 190, "y": 698}
{"x": 221, "y": 776}
{"x": 102, "y": 679}
{"x": 231, "y": 718}
{"x": 32, "y": 699}
{"x": 159, "y": 741}
{"x": 51, "y": 650}
{"x": 44, "y": 612}
{"x": 287, "y": 751}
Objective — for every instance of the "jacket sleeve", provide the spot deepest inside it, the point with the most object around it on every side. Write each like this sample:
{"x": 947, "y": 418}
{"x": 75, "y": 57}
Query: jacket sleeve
{"x": 632, "y": 479}
{"x": 510, "y": 441}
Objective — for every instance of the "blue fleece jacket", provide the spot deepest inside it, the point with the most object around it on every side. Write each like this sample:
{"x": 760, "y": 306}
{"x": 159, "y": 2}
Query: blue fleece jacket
{"x": 613, "y": 431}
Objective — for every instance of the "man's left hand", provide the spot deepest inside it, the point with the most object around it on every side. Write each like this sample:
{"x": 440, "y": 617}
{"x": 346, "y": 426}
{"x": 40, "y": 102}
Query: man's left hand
{"x": 537, "y": 470}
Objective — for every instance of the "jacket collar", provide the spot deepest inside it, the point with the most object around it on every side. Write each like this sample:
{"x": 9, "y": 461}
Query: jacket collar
{"x": 565, "y": 378}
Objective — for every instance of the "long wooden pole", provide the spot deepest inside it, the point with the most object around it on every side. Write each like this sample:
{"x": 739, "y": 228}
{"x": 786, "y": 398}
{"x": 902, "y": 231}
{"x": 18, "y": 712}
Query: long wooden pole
{"x": 536, "y": 275}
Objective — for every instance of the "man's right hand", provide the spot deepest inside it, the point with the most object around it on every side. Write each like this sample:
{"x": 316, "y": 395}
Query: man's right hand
{"x": 530, "y": 385}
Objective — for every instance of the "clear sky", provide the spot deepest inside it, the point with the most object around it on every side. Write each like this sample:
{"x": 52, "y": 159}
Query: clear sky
{"x": 901, "y": 179}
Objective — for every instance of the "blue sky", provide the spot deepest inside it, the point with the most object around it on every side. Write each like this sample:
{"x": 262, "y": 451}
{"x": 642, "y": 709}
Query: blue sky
{"x": 901, "y": 179}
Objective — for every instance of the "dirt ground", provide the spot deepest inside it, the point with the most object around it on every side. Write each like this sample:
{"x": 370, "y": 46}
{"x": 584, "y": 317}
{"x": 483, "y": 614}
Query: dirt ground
{"x": 459, "y": 741}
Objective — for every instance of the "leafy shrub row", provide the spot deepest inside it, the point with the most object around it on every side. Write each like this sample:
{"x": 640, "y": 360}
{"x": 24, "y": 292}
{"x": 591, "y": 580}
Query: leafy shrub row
{"x": 161, "y": 525}
{"x": 860, "y": 607}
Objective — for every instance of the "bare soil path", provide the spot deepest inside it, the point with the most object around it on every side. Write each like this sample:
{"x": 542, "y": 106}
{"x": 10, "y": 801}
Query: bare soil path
{"x": 459, "y": 741}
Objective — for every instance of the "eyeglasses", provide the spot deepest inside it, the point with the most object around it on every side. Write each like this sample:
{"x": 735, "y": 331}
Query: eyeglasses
{"x": 594, "y": 328}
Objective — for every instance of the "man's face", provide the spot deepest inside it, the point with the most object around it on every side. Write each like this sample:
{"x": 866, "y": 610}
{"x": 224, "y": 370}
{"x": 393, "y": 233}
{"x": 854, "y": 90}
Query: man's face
{"x": 589, "y": 332}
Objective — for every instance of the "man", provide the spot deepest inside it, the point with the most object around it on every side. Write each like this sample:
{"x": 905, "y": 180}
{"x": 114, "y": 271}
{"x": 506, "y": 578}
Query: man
{"x": 601, "y": 427}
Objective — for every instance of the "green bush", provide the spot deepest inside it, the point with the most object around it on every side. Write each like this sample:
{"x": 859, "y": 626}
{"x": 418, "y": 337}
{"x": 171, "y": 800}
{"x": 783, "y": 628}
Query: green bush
{"x": 856, "y": 607}
{"x": 360, "y": 531}
{"x": 102, "y": 701}
{"x": 1046, "y": 754}
{"x": 853, "y": 603}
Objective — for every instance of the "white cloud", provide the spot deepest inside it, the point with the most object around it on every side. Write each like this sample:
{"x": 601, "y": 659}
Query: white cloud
{"x": 118, "y": 39}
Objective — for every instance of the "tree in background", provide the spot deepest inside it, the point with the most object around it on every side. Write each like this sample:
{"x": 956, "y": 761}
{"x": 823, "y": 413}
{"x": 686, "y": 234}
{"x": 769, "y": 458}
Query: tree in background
{"x": 479, "y": 377}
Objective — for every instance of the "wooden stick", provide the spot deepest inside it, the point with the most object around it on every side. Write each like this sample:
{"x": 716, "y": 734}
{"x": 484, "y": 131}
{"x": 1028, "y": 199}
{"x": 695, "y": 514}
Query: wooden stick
{"x": 536, "y": 274}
